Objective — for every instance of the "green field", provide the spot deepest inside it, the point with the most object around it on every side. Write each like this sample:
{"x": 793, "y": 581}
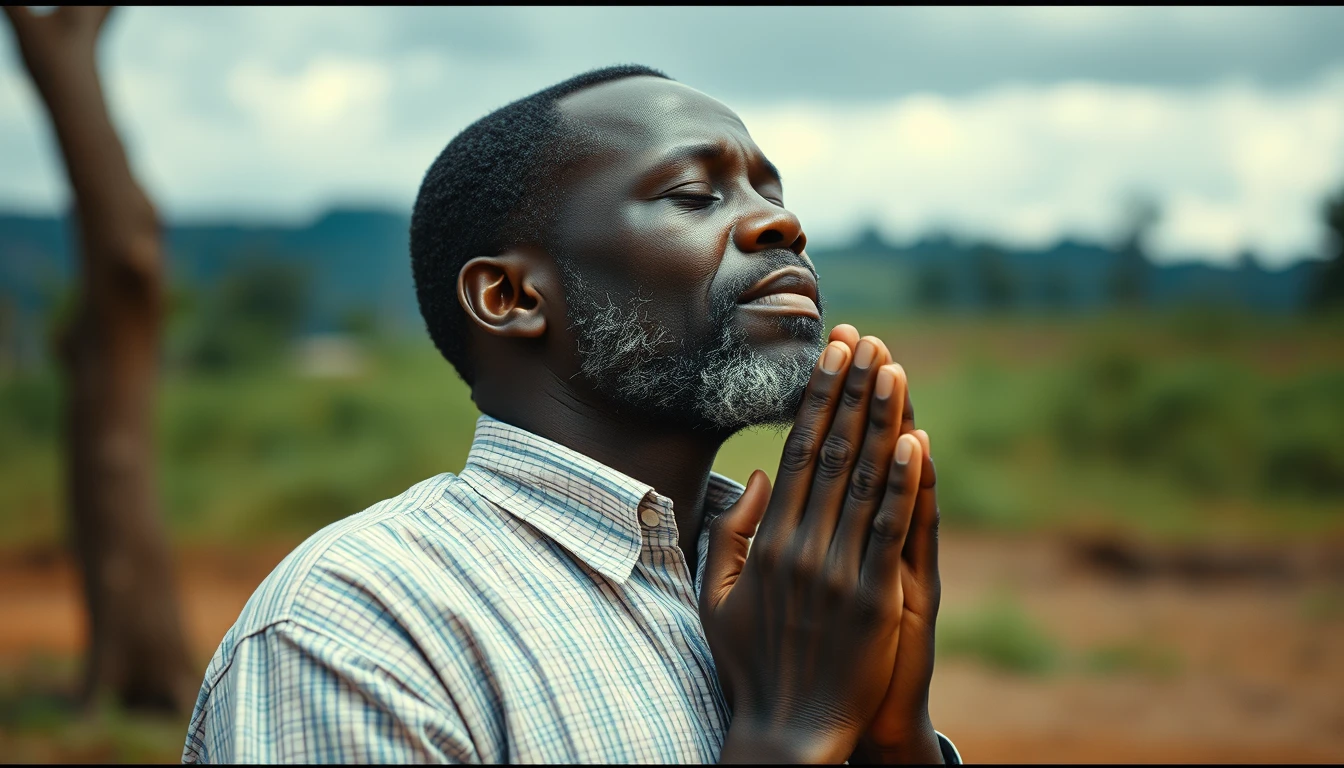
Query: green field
{"x": 1175, "y": 425}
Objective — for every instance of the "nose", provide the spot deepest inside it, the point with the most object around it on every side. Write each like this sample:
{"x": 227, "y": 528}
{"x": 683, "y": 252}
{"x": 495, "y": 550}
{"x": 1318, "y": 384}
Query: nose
{"x": 770, "y": 228}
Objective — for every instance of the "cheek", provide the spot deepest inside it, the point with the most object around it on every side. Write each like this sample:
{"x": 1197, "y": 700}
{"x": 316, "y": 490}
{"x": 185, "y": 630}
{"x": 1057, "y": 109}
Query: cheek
{"x": 670, "y": 260}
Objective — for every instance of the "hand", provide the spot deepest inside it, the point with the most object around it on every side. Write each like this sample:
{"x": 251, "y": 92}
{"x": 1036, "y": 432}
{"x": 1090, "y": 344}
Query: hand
{"x": 804, "y": 630}
{"x": 902, "y": 731}
{"x": 49, "y": 42}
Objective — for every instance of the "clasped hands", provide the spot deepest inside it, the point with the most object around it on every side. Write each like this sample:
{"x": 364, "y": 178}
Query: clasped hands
{"x": 822, "y": 626}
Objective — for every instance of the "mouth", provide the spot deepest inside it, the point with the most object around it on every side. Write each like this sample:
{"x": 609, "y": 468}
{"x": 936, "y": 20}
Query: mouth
{"x": 787, "y": 291}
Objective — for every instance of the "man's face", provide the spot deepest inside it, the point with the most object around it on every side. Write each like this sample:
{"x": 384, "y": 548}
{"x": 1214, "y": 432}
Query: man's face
{"x": 687, "y": 286}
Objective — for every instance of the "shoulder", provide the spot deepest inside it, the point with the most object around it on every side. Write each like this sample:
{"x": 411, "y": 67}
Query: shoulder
{"x": 363, "y": 591}
{"x": 335, "y": 581}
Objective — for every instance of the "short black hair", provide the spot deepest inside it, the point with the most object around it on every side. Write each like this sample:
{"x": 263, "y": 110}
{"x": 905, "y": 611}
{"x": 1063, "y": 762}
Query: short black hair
{"x": 488, "y": 190}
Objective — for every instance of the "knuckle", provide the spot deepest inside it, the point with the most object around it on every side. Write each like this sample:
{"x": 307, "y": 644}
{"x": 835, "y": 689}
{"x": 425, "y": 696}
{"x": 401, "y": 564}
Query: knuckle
{"x": 801, "y": 569}
{"x": 866, "y": 482}
{"x": 836, "y": 585}
{"x": 898, "y": 482}
{"x": 767, "y": 556}
{"x": 835, "y": 456}
{"x": 798, "y": 451}
{"x": 879, "y": 419}
{"x": 819, "y": 396}
{"x": 852, "y": 398}
{"x": 886, "y": 527}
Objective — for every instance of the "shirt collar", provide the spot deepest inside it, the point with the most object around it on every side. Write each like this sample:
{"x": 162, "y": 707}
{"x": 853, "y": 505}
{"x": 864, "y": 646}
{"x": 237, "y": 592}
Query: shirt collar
{"x": 585, "y": 506}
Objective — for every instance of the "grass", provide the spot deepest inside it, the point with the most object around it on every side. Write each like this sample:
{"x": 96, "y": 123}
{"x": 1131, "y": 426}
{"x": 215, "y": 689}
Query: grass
{"x": 1172, "y": 426}
{"x": 1132, "y": 658}
{"x": 40, "y": 721}
{"x": 1324, "y": 605}
{"x": 1000, "y": 635}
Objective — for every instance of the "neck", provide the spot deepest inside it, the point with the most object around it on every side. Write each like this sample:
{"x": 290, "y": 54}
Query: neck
{"x": 675, "y": 460}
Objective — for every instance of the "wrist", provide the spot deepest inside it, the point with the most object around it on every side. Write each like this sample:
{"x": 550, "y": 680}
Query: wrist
{"x": 917, "y": 744}
{"x": 749, "y": 742}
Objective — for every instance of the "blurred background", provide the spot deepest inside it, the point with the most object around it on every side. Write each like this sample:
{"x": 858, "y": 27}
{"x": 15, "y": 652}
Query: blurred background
{"x": 1106, "y": 244}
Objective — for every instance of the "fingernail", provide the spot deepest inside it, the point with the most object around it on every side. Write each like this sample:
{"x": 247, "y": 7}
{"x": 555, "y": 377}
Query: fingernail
{"x": 904, "y": 447}
{"x": 886, "y": 381}
{"x": 835, "y": 354}
{"x": 864, "y": 355}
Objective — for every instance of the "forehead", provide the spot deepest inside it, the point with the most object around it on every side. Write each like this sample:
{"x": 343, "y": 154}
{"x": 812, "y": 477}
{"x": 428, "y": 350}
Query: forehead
{"x": 639, "y": 115}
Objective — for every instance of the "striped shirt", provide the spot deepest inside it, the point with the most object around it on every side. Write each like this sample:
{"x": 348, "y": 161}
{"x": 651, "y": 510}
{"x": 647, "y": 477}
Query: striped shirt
{"x": 534, "y": 608}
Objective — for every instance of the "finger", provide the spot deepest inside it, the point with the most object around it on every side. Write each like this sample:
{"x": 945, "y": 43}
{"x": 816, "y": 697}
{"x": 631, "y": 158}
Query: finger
{"x": 729, "y": 540}
{"x": 927, "y": 476}
{"x": 908, "y": 414}
{"x": 885, "y": 349}
{"x": 839, "y": 454}
{"x": 798, "y": 460}
{"x": 921, "y": 547}
{"x": 886, "y": 537}
{"x": 846, "y": 334}
{"x": 868, "y": 482}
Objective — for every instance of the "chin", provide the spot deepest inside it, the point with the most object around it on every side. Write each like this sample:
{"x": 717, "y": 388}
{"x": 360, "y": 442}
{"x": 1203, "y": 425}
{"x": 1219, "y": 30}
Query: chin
{"x": 803, "y": 328}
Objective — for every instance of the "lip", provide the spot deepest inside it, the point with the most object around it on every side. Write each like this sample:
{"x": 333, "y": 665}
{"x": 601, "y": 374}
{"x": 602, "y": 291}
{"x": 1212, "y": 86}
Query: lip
{"x": 789, "y": 291}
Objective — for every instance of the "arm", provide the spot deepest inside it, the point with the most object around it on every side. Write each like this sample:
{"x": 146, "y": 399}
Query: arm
{"x": 295, "y": 694}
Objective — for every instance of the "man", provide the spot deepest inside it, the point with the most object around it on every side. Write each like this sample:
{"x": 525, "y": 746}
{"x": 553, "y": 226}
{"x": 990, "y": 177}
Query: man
{"x": 609, "y": 265}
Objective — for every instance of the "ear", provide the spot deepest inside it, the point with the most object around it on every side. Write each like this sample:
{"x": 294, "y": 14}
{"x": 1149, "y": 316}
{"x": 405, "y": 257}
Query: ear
{"x": 502, "y": 294}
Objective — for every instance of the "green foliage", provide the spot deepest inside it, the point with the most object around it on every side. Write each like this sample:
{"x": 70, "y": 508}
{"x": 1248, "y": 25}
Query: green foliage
{"x": 994, "y": 279}
{"x": 1057, "y": 291}
{"x": 1328, "y": 282}
{"x": 1208, "y": 425}
{"x": 933, "y": 286}
{"x": 1137, "y": 657}
{"x": 250, "y": 320}
{"x": 1171, "y": 426}
{"x": 1001, "y": 635}
{"x": 41, "y": 721}
{"x": 1324, "y": 605}
{"x": 28, "y": 410}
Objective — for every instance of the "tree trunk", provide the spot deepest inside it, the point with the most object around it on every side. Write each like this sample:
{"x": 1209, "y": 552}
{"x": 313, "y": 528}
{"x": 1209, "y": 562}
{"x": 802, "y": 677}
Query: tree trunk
{"x": 137, "y": 652}
{"x": 109, "y": 353}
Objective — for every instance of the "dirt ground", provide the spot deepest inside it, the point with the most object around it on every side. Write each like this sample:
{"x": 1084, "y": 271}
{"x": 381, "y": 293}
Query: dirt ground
{"x": 1256, "y": 641}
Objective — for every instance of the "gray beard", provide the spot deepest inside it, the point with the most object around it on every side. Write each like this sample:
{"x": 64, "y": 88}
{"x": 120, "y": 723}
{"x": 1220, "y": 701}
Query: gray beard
{"x": 725, "y": 385}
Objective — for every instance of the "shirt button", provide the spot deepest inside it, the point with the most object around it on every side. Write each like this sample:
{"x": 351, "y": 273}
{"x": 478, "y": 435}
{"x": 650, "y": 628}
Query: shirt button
{"x": 649, "y": 516}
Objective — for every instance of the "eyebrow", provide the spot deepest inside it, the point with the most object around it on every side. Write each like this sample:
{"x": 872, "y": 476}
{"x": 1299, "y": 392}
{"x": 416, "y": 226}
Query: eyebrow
{"x": 709, "y": 152}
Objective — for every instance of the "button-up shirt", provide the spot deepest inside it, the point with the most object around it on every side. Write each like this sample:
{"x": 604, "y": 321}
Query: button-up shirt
{"x": 535, "y": 607}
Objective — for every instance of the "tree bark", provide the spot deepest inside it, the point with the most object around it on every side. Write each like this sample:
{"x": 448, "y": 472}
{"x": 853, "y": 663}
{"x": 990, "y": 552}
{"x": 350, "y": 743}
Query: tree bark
{"x": 109, "y": 353}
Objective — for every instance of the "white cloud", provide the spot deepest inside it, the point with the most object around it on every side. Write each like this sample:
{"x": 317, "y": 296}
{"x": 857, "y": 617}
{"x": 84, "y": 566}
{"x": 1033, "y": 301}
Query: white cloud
{"x": 1233, "y": 165}
{"x": 915, "y": 118}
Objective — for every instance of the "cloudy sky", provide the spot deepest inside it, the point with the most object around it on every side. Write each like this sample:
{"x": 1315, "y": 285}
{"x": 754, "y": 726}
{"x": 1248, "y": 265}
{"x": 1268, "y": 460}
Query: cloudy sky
{"x": 1017, "y": 123}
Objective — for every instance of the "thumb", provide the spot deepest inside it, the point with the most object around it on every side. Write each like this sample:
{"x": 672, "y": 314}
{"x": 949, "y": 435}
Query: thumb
{"x": 729, "y": 537}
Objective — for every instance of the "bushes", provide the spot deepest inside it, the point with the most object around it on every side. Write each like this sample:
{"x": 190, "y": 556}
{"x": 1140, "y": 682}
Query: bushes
{"x": 1211, "y": 426}
{"x": 1002, "y": 636}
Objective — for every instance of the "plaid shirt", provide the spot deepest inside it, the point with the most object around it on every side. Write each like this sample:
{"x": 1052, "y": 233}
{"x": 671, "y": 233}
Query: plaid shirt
{"x": 534, "y": 608}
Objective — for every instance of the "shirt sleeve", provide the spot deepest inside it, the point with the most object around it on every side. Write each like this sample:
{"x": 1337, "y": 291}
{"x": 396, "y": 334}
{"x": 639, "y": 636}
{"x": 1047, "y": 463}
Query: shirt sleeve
{"x": 296, "y": 695}
{"x": 950, "y": 754}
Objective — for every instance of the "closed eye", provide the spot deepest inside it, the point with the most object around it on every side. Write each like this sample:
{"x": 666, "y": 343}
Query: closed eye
{"x": 693, "y": 201}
